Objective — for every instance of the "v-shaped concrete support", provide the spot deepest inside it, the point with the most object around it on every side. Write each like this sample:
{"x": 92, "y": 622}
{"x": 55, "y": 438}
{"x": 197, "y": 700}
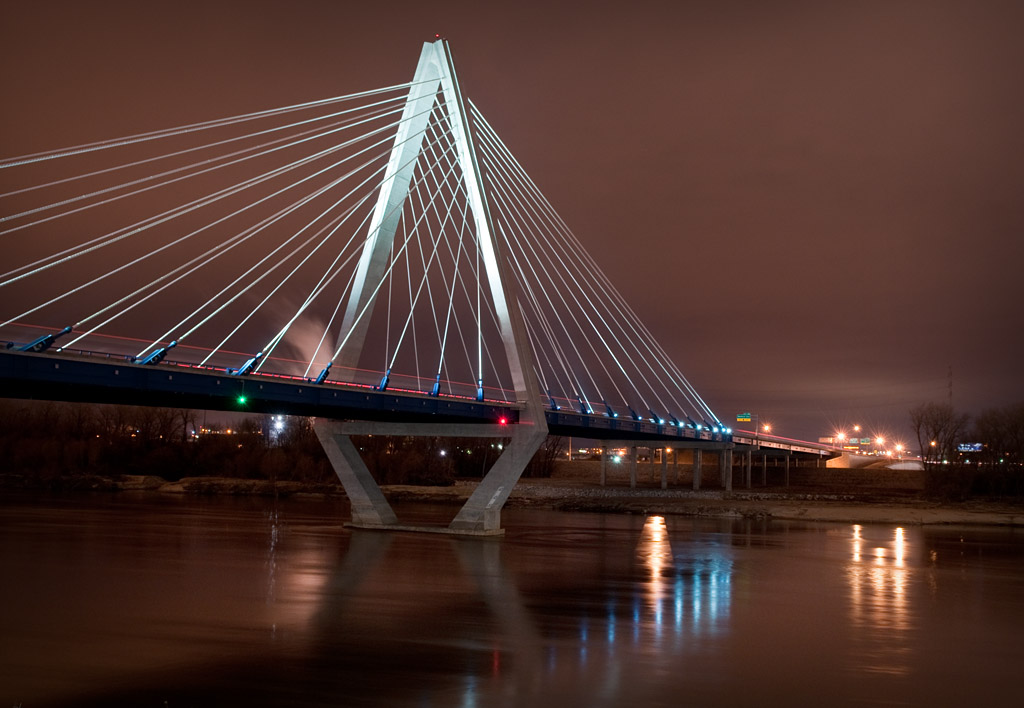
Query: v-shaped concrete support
{"x": 480, "y": 515}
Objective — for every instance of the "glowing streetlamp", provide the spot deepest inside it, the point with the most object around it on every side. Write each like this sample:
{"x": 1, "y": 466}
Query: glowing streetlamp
{"x": 840, "y": 437}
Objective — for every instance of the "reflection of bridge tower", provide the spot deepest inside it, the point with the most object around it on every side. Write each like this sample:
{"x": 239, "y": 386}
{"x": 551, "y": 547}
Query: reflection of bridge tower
{"x": 435, "y": 79}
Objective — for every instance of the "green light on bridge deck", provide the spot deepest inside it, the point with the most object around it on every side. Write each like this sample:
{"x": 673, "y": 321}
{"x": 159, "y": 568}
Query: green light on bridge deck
{"x": 241, "y": 400}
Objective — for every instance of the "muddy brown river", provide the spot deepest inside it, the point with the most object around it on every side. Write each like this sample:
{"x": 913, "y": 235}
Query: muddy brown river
{"x": 133, "y": 600}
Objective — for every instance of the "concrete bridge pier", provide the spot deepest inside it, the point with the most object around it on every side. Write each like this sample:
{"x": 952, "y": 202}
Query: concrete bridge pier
{"x": 664, "y": 468}
{"x": 369, "y": 507}
{"x": 725, "y": 468}
{"x": 479, "y": 516}
{"x": 632, "y": 467}
{"x": 697, "y": 455}
{"x": 482, "y": 511}
{"x": 604, "y": 464}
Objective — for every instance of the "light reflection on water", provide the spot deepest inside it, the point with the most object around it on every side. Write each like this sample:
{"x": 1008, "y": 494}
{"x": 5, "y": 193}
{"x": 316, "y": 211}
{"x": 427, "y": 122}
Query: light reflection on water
{"x": 190, "y": 603}
{"x": 689, "y": 591}
{"x": 879, "y": 606}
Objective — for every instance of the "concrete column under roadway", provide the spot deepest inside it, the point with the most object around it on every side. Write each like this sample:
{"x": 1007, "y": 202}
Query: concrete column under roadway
{"x": 697, "y": 454}
{"x": 725, "y": 467}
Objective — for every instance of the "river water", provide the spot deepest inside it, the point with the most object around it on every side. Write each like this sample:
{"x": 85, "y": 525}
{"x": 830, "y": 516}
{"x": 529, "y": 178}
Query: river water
{"x": 121, "y": 600}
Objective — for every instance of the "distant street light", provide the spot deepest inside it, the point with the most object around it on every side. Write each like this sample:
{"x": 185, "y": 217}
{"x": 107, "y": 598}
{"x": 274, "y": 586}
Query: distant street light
{"x": 839, "y": 438}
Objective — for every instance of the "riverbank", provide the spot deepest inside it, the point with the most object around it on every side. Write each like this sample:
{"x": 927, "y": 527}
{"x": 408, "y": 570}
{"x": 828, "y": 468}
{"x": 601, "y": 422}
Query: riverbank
{"x": 579, "y": 495}
{"x": 856, "y": 507}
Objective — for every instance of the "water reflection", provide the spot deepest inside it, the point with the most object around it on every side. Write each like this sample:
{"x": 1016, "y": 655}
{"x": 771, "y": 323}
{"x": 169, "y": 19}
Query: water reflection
{"x": 647, "y": 623}
{"x": 213, "y": 603}
{"x": 879, "y": 604}
{"x": 695, "y": 584}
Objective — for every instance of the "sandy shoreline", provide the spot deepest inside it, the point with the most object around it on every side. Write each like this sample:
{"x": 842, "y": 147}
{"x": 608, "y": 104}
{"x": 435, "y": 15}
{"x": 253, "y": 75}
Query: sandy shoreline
{"x": 580, "y": 495}
{"x": 803, "y": 506}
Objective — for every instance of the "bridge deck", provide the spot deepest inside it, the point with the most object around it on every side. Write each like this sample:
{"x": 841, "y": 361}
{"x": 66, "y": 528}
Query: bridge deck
{"x": 66, "y": 377}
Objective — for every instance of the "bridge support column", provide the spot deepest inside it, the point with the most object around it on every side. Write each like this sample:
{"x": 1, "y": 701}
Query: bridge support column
{"x": 787, "y": 470}
{"x": 664, "y": 468}
{"x": 482, "y": 511}
{"x": 369, "y": 507}
{"x": 675, "y": 465}
{"x": 632, "y": 467}
{"x": 748, "y": 467}
{"x": 697, "y": 455}
{"x": 481, "y": 514}
{"x": 764, "y": 469}
{"x": 725, "y": 469}
{"x": 604, "y": 464}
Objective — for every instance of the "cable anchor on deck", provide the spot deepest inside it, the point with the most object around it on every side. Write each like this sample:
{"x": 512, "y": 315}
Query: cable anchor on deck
{"x": 247, "y": 367}
{"x": 45, "y": 342}
{"x": 323, "y": 374}
{"x": 157, "y": 356}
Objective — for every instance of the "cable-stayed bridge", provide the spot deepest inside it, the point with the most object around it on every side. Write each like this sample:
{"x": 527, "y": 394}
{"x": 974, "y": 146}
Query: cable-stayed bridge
{"x": 379, "y": 260}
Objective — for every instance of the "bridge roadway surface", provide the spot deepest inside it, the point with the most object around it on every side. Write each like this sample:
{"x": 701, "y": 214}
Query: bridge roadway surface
{"x": 70, "y": 377}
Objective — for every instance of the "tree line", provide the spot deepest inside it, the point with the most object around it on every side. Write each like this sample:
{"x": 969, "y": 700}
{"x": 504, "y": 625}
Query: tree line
{"x": 48, "y": 441}
{"x": 996, "y": 468}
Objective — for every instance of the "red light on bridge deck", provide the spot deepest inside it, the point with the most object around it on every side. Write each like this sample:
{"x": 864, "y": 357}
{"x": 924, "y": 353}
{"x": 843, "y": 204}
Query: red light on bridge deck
{"x": 502, "y": 420}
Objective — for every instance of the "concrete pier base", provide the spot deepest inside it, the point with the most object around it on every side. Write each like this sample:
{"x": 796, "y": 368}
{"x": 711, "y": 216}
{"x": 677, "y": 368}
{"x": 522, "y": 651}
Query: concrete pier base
{"x": 446, "y": 530}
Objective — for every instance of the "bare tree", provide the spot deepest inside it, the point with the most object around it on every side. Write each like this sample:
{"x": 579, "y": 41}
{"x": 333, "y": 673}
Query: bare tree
{"x": 1001, "y": 431}
{"x": 939, "y": 430}
{"x": 187, "y": 418}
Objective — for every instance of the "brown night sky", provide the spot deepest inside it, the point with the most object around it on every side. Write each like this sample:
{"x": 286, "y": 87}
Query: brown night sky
{"x": 815, "y": 206}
